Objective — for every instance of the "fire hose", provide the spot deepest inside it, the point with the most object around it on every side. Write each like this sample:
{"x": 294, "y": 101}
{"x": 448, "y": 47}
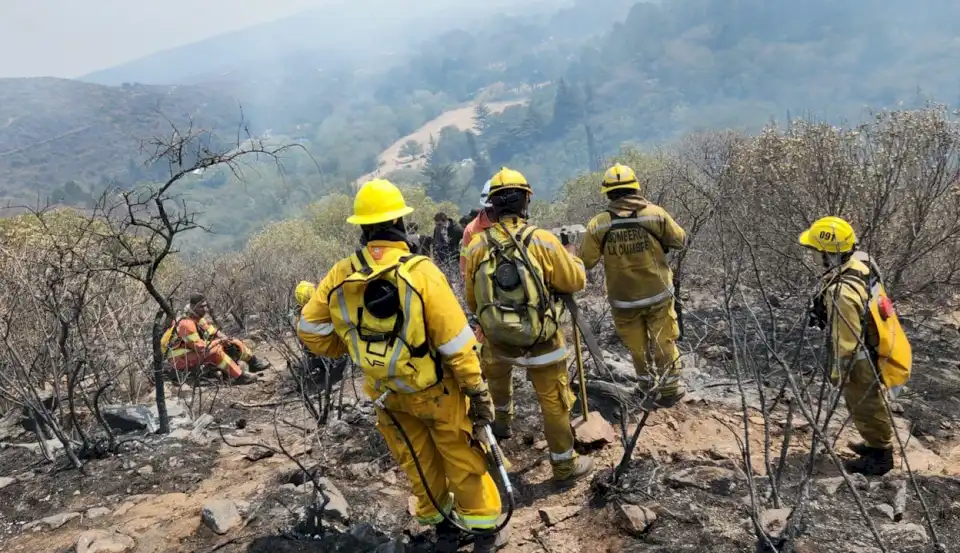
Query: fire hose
{"x": 495, "y": 452}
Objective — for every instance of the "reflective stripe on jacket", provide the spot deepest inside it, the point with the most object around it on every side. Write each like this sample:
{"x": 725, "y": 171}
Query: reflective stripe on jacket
{"x": 632, "y": 240}
{"x": 448, "y": 333}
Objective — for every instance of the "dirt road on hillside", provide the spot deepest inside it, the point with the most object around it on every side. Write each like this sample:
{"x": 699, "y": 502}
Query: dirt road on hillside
{"x": 390, "y": 160}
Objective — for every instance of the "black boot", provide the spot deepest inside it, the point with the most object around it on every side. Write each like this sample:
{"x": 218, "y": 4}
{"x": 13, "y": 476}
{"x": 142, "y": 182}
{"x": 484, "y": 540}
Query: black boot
{"x": 875, "y": 462}
{"x": 448, "y": 538}
{"x": 492, "y": 542}
{"x": 257, "y": 365}
{"x": 860, "y": 448}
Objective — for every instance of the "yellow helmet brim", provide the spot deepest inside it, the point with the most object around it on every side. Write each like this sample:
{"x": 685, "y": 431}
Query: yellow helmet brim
{"x": 806, "y": 240}
{"x": 525, "y": 188}
{"x": 379, "y": 217}
{"x": 635, "y": 185}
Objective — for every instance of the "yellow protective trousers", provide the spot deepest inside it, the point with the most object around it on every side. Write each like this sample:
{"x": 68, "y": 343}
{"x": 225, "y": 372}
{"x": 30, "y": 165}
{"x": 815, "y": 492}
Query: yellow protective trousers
{"x": 435, "y": 420}
{"x": 556, "y": 399}
{"x": 865, "y": 401}
{"x": 656, "y": 325}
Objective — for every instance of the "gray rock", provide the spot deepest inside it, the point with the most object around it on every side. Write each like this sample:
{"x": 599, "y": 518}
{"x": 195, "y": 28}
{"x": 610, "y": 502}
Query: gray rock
{"x": 636, "y": 520}
{"x": 359, "y": 470}
{"x": 130, "y": 418}
{"x": 390, "y": 478}
{"x": 179, "y": 434}
{"x": 6, "y": 481}
{"x": 202, "y": 423}
{"x": 104, "y": 541}
{"x": 885, "y": 510}
{"x": 392, "y": 546}
{"x": 595, "y": 430}
{"x": 243, "y": 507}
{"x": 860, "y": 481}
{"x": 175, "y": 409}
{"x": 910, "y": 533}
{"x": 338, "y": 429}
{"x": 551, "y": 516}
{"x": 145, "y": 470}
{"x": 622, "y": 368}
{"x": 716, "y": 352}
{"x": 256, "y": 453}
{"x": 713, "y": 479}
{"x": 774, "y": 521}
{"x": 829, "y": 486}
{"x": 221, "y": 515}
{"x": 366, "y": 533}
{"x": 97, "y": 512}
{"x": 51, "y": 522}
{"x": 337, "y": 507}
{"x": 26, "y": 476}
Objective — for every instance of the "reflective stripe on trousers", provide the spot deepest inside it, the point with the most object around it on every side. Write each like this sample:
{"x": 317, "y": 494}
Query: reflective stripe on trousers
{"x": 543, "y": 359}
{"x": 646, "y": 302}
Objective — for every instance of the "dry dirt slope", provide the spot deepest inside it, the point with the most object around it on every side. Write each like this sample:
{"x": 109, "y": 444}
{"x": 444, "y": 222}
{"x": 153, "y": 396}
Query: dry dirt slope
{"x": 462, "y": 118}
{"x": 686, "y": 470}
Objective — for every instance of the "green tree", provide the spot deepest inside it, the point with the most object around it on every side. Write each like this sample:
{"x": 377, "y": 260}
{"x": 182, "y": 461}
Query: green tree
{"x": 411, "y": 148}
{"x": 439, "y": 178}
{"x": 481, "y": 117}
{"x": 567, "y": 108}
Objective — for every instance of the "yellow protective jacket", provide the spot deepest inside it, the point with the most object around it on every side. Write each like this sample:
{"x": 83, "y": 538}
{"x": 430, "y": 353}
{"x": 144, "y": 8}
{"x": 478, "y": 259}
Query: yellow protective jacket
{"x": 631, "y": 238}
{"x": 448, "y": 335}
{"x": 844, "y": 295}
{"x": 563, "y": 273}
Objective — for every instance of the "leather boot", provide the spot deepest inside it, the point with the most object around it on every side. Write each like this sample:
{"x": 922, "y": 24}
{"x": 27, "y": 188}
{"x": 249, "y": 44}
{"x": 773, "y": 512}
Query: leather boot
{"x": 256, "y": 365}
{"x": 875, "y": 462}
{"x": 860, "y": 448}
{"x": 448, "y": 538}
{"x": 570, "y": 471}
{"x": 492, "y": 542}
{"x": 666, "y": 401}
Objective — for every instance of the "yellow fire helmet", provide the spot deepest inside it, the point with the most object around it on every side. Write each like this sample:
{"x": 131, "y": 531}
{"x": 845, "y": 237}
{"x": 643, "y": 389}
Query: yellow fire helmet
{"x": 618, "y": 177}
{"x": 829, "y": 235}
{"x": 507, "y": 179}
{"x": 304, "y": 292}
{"x": 378, "y": 201}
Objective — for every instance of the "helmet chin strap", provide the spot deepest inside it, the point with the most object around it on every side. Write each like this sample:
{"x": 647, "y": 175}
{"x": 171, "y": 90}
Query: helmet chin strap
{"x": 831, "y": 260}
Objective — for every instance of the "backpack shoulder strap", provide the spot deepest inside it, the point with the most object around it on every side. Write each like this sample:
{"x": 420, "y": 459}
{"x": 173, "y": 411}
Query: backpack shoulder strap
{"x": 359, "y": 262}
{"x": 525, "y": 235}
{"x": 410, "y": 261}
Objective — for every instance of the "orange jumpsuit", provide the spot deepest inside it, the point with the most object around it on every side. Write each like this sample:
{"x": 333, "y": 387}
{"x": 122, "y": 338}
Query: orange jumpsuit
{"x": 196, "y": 343}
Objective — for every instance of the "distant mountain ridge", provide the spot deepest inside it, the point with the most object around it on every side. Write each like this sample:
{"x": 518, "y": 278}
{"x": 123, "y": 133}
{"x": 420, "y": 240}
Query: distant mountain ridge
{"x": 329, "y": 34}
{"x": 56, "y": 131}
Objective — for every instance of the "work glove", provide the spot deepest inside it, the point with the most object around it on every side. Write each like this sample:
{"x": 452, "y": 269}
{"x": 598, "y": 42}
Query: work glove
{"x": 481, "y": 407}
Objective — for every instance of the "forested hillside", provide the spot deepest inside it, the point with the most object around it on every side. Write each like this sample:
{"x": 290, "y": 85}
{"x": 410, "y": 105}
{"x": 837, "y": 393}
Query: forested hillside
{"x": 595, "y": 75}
{"x": 687, "y": 65}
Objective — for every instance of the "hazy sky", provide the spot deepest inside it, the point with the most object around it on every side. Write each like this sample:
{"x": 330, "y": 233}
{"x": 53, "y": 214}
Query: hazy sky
{"x": 69, "y": 38}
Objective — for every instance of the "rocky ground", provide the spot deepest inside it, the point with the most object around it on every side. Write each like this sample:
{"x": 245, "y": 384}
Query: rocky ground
{"x": 208, "y": 486}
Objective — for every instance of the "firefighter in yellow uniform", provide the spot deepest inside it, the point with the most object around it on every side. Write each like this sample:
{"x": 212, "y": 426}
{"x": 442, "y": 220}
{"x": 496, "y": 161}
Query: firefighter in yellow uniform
{"x": 397, "y": 317}
{"x": 632, "y": 239}
{"x": 840, "y": 305}
{"x": 544, "y": 362}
